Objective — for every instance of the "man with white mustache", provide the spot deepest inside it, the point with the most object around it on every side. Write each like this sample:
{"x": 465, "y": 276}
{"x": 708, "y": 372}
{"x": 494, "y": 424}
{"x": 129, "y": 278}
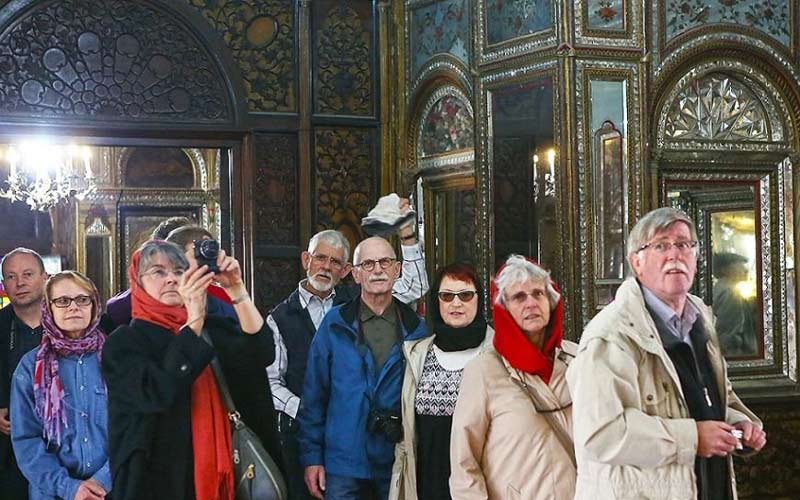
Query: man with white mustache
{"x": 295, "y": 320}
{"x": 350, "y": 415}
{"x": 654, "y": 413}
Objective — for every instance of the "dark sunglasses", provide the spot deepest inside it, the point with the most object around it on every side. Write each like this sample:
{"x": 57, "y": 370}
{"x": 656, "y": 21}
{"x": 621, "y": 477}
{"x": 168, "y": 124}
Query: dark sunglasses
{"x": 463, "y": 296}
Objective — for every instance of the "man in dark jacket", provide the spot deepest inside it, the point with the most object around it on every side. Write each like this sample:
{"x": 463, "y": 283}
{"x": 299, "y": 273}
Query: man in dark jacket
{"x": 349, "y": 414}
{"x": 20, "y": 331}
{"x": 295, "y": 320}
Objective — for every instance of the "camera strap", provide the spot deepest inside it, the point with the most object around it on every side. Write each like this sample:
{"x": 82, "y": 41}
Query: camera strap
{"x": 540, "y": 407}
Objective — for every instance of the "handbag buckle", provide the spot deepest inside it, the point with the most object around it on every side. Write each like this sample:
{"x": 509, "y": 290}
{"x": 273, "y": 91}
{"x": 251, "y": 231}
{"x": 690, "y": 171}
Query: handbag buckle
{"x": 235, "y": 417}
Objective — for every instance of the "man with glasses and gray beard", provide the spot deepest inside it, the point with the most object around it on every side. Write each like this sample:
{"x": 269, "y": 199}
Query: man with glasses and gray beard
{"x": 295, "y": 320}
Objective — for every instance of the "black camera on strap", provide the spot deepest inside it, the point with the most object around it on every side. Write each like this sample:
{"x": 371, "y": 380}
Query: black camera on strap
{"x": 385, "y": 422}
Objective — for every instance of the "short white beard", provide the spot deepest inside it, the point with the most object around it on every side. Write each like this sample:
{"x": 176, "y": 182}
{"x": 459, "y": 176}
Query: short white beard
{"x": 320, "y": 286}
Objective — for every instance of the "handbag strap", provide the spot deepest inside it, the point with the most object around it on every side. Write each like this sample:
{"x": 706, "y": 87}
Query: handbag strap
{"x": 561, "y": 434}
{"x": 216, "y": 367}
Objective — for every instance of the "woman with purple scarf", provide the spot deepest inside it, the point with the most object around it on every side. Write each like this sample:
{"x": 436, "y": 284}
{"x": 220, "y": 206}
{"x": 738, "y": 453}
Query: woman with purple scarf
{"x": 58, "y": 398}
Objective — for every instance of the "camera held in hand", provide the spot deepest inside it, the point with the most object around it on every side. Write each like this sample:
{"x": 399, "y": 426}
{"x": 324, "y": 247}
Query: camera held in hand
{"x": 206, "y": 253}
{"x": 387, "y": 423}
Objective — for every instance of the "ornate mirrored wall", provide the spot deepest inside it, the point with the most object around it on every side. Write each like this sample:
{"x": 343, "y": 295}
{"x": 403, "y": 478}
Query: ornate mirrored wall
{"x": 724, "y": 155}
{"x": 444, "y": 152}
{"x": 524, "y": 169}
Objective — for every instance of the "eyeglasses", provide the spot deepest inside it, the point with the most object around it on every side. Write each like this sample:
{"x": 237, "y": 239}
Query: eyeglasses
{"x": 322, "y": 259}
{"x": 64, "y": 302}
{"x": 369, "y": 265}
{"x": 161, "y": 274}
{"x": 665, "y": 246}
{"x": 463, "y": 295}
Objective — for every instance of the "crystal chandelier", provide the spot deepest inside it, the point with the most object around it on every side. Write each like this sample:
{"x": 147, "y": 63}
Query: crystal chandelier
{"x": 44, "y": 175}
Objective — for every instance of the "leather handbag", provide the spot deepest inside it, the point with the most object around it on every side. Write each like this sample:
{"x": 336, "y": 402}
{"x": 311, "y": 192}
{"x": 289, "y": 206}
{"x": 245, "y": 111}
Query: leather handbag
{"x": 256, "y": 475}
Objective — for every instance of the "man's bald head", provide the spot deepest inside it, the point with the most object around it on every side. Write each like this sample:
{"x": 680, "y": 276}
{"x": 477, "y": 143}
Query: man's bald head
{"x": 374, "y": 244}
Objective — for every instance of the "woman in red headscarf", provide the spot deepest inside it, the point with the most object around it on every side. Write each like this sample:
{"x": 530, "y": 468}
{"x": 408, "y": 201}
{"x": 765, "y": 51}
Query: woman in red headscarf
{"x": 512, "y": 425}
{"x": 169, "y": 433}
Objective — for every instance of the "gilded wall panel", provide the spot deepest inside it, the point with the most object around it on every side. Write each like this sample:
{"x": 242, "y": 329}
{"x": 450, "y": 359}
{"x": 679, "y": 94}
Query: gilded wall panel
{"x": 770, "y": 17}
{"x": 512, "y": 200}
{"x": 506, "y": 21}
{"x": 605, "y": 14}
{"x": 609, "y": 23}
{"x": 441, "y": 27}
{"x": 594, "y": 292}
{"x": 81, "y": 59}
{"x": 343, "y": 73}
{"x": 276, "y": 187}
{"x": 276, "y": 279}
{"x": 260, "y": 34}
{"x": 447, "y": 127}
{"x": 345, "y": 178}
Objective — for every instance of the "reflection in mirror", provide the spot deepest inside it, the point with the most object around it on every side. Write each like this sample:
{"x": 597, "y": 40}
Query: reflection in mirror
{"x": 728, "y": 261}
{"x": 90, "y": 206}
{"x": 609, "y": 192}
{"x": 733, "y": 247}
{"x": 524, "y": 162}
{"x": 98, "y": 263}
{"x": 454, "y": 226}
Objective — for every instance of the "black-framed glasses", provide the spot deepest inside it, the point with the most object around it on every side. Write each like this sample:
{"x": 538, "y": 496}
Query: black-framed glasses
{"x": 665, "y": 246}
{"x": 322, "y": 259}
{"x": 64, "y": 302}
{"x": 369, "y": 264}
{"x": 463, "y": 295}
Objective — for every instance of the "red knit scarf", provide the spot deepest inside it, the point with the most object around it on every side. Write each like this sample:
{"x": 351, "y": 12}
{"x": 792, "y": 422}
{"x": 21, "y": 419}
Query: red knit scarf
{"x": 511, "y": 343}
{"x": 211, "y": 432}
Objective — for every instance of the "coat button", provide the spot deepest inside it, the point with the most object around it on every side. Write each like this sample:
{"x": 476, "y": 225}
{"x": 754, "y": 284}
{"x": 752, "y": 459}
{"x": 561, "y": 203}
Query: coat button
{"x": 649, "y": 397}
{"x": 184, "y": 367}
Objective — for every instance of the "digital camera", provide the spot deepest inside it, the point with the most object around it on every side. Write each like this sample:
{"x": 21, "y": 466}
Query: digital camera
{"x": 206, "y": 253}
{"x": 387, "y": 423}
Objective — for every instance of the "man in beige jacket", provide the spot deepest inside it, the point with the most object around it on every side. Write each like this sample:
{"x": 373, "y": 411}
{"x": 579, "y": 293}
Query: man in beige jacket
{"x": 654, "y": 413}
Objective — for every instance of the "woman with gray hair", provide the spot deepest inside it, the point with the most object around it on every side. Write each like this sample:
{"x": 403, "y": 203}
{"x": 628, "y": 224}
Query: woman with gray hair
{"x": 169, "y": 433}
{"x": 512, "y": 426}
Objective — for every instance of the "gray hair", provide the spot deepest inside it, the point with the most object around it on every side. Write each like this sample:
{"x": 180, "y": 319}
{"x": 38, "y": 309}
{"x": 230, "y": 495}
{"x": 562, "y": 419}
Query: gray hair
{"x": 518, "y": 269}
{"x": 332, "y": 238}
{"x": 21, "y": 251}
{"x": 653, "y": 222}
{"x": 171, "y": 251}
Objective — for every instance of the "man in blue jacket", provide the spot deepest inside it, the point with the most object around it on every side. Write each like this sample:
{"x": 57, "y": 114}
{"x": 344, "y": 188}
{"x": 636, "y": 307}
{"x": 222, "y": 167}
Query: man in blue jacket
{"x": 350, "y": 412}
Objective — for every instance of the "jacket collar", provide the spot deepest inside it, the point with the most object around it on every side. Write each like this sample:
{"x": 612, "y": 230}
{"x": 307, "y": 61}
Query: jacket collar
{"x": 415, "y": 350}
{"x": 411, "y": 323}
{"x": 638, "y": 325}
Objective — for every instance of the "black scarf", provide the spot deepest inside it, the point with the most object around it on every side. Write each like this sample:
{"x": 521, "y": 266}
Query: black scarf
{"x": 449, "y": 338}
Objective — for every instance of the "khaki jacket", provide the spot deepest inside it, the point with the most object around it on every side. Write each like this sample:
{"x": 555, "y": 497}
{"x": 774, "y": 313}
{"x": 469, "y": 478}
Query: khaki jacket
{"x": 501, "y": 448}
{"x": 404, "y": 471}
{"x": 634, "y": 438}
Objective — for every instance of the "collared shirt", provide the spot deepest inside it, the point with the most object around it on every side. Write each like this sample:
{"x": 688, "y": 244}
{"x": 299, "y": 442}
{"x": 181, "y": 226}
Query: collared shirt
{"x": 680, "y": 326}
{"x": 380, "y": 331}
{"x": 57, "y": 471}
{"x": 410, "y": 286}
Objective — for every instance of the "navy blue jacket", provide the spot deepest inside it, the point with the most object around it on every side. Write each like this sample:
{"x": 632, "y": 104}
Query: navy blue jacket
{"x": 341, "y": 387}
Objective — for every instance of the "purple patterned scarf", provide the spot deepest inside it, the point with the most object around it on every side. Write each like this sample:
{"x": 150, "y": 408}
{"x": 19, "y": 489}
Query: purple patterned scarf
{"x": 47, "y": 389}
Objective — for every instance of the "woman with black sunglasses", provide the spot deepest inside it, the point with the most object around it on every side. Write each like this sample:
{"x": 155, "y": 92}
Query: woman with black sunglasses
{"x": 432, "y": 380}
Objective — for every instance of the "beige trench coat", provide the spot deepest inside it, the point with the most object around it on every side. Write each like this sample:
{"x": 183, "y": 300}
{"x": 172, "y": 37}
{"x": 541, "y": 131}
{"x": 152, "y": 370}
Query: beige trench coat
{"x": 501, "y": 448}
{"x": 633, "y": 435}
{"x": 404, "y": 471}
